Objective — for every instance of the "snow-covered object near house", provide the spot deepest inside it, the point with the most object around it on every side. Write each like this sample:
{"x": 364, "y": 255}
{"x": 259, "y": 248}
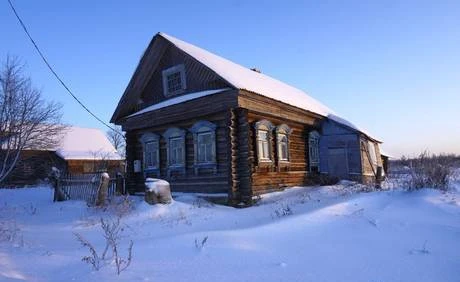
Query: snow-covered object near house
{"x": 86, "y": 144}
{"x": 246, "y": 79}
{"x": 157, "y": 191}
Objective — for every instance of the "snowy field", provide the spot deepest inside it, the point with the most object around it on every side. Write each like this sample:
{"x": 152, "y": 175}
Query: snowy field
{"x": 302, "y": 234}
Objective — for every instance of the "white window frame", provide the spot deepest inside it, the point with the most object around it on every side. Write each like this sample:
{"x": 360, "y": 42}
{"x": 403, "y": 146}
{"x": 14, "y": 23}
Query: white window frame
{"x": 151, "y": 156}
{"x": 175, "y": 134}
{"x": 313, "y": 150}
{"x": 264, "y": 127}
{"x": 168, "y": 72}
{"x": 263, "y": 144}
{"x": 283, "y": 147}
{"x": 145, "y": 139}
{"x": 176, "y": 157}
{"x": 203, "y": 148}
{"x": 201, "y": 128}
{"x": 283, "y": 131}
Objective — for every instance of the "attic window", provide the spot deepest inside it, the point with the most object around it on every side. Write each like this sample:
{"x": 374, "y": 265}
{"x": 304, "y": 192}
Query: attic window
{"x": 174, "y": 80}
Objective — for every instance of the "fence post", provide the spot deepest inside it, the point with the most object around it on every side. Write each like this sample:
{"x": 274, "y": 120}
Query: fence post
{"x": 102, "y": 191}
{"x": 58, "y": 193}
{"x": 119, "y": 184}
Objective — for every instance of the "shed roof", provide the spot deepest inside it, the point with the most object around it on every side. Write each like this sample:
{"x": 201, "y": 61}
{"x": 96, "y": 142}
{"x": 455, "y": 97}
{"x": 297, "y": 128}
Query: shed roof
{"x": 86, "y": 144}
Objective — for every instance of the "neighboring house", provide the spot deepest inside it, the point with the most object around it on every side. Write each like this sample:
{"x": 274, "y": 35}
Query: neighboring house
{"x": 81, "y": 150}
{"x": 207, "y": 124}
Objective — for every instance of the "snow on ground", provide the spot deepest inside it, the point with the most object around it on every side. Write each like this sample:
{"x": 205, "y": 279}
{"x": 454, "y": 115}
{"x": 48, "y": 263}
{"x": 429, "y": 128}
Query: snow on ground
{"x": 302, "y": 234}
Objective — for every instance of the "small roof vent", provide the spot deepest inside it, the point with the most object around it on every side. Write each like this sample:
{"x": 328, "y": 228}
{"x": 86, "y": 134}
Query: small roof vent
{"x": 256, "y": 70}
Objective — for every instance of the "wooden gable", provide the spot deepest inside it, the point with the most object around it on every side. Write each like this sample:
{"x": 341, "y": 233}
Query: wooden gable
{"x": 146, "y": 85}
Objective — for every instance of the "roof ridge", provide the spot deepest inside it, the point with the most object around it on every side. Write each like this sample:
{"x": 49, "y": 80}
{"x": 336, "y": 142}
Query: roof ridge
{"x": 245, "y": 79}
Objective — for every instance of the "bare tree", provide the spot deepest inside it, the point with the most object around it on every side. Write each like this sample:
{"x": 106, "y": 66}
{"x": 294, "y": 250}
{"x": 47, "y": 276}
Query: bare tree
{"x": 27, "y": 121}
{"x": 117, "y": 139}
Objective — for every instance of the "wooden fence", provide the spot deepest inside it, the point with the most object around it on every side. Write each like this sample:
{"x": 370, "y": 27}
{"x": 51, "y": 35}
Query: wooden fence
{"x": 85, "y": 186}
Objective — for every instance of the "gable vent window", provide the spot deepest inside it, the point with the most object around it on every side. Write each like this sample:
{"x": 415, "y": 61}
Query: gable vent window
{"x": 174, "y": 81}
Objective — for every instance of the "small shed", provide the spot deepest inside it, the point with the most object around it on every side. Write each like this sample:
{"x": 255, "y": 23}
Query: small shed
{"x": 81, "y": 150}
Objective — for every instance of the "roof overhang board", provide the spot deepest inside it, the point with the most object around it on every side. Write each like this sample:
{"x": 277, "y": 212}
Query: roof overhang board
{"x": 268, "y": 106}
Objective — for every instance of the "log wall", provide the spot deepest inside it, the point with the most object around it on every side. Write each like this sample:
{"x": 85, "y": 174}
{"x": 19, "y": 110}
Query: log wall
{"x": 276, "y": 176}
{"x": 206, "y": 181}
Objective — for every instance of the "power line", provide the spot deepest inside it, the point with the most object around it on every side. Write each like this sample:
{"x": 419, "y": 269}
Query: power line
{"x": 54, "y": 73}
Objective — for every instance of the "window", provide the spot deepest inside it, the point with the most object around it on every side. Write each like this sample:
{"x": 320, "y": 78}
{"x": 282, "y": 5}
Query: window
{"x": 204, "y": 139}
{"x": 263, "y": 142}
{"x": 283, "y": 147}
{"x": 263, "y": 133}
{"x": 371, "y": 149}
{"x": 313, "y": 150}
{"x": 174, "y": 80}
{"x": 175, "y": 149}
{"x": 282, "y": 139}
{"x": 205, "y": 147}
{"x": 151, "y": 152}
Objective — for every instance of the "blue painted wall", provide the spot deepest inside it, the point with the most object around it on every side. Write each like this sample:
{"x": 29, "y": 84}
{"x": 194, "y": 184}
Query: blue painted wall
{"x": 334, "y": 135}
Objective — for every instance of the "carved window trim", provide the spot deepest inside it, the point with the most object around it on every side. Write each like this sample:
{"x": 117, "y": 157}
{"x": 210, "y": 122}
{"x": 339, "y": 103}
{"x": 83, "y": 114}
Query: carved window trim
{"x": 153, "y": 140}
{"x": 283, "y": 133}
{"x": 202, "y": 128}
{"x": 313, "y": 150}
{"x": 173, "y": 136}
{"x": 263, "y": 130}
{"x": 178, "y": 70}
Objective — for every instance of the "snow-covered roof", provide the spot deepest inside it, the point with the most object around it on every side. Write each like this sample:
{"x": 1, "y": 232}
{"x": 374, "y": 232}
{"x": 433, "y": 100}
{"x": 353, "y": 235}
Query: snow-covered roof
{"x": 86, "y": 144}
{"x": 179, "y": 99}
{"x": 246, "y": 79}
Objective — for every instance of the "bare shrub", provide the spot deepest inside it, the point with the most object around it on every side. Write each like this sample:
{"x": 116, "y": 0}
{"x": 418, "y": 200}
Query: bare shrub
{"x": 283, "y": 209}
{"x": 121, "y": 206}
{"x": 94, "y": 258}
{"x": 112, "y": 233}
{"x": 31, "y": 209}
{"x": 200, "y": 244}
{"x": 422, "y": 251}
{"x": 10, "y": 232}
{"x": 201, "y": 203}
{"x": 432, "y": 171}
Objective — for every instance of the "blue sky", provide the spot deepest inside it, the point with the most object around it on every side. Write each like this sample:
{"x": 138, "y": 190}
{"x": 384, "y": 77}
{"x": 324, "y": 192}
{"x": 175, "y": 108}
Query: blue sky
{"x": 392, "y": 67}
